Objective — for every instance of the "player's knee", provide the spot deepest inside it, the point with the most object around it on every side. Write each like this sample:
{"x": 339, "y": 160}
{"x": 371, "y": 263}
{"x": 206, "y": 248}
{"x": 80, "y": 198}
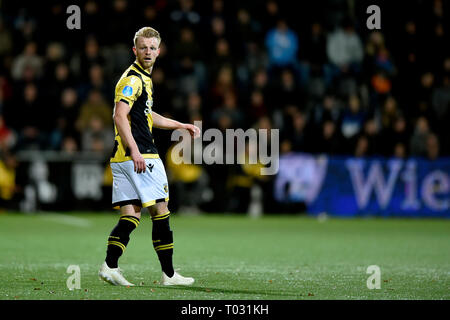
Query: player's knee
{"x": 159, "y": 208}
{"x": 131, "y": 210}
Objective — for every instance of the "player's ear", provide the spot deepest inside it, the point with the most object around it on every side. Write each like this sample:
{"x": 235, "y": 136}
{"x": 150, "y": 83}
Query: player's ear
{"x": 134, "y": 51}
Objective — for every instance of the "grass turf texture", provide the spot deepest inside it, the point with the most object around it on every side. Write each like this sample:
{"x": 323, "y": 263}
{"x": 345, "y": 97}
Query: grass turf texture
{"x": 231, "y": 257}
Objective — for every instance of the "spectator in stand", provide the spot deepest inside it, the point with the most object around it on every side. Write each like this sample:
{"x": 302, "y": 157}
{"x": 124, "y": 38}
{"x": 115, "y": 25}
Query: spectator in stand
{"x": 8, "y": 138}
{"x": 427, "y": 83}
{"x": 162, "y": 93}
{"x": 69, "y": 146}
{"x": 120, "y": 20}
{"x": 314, "y": 57}
{"x": 224, "y": 82}
{"x": 371, "y": 132}
{"x": 30, "y": 120}
{"x": 330, "y": 139}
{"x": 218, "y": 31}
{"x": 389, "y": 113}
{"x": 407, "y": 55}
{"x": 419, "y": 138}
{"x": 66, "y": 116}
{"x": 441, "y": 108}
{"x": 154, "y": 14}
{"x": 95, "y": 106}
{"x": 6, "y": 92}
{"x": 432, "y": 147}
{"x": 288, "y": 91}
{"x": 260, "y": 82}
{"x": 257, "y": 108}
{"x": 229, "y": 109}
{"x": 222, "y": 57}
{"x": 90, "y": 56}
{"x": 92, "y": 16}
{"x": 98, "y": 82}
{"x": 248, "y": 30}
{"x": 187, "y": 62}
{"x": 183, "y": 14}
{"x": 400, "y": 151}
{"x": 270, "y": 15}
{"x": 187, "y": 45}
{"x": 29, "y": 59}
{"x": 353, "y": 118}
{"x": 328, "y": 109}
{"x": 97, "y": 137}
{"x": 55, "y": 54}
{"x": 362, "y": 147}
{"x": 374, "y": 43}
{"x": 282, "y": 47}
{"x": 298, "y": 136}
{"x": 255, "y": 59}
{"x": 440, "y": 97}
{"x": 344, "y": 51}
{"x": 60, "y": 79}
{"x": 194, "y": 106}
{"x": 400, "y": 134}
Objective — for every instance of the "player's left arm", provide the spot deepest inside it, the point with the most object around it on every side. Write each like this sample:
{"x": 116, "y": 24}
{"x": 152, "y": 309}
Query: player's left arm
{"x": 165, "y": 123}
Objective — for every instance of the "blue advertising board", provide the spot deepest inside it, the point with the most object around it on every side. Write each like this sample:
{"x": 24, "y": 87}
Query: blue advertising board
{"x": 348, "y": 186}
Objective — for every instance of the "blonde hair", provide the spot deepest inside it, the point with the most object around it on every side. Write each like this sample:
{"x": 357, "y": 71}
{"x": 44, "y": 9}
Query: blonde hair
{"x": 147, "y": 32}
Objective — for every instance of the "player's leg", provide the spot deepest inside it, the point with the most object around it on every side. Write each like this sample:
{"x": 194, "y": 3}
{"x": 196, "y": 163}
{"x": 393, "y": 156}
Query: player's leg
{"x": 124, "y": 197}
{"x": 162, "y": 237}
{"x": 120, "y": 235}
{"x": 117, "y": 242}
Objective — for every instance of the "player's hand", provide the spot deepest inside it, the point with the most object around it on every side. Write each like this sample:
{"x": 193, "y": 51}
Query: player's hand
{"x": 193, "y": 130}
{"x": 139, "y": 161}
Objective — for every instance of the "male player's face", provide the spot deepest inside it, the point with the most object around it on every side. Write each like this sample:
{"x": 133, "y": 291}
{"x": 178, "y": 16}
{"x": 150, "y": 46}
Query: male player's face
{"x": 146, "y": 51}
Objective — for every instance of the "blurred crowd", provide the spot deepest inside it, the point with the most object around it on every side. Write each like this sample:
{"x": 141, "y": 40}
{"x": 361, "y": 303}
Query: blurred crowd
{"x": 317, "y": 73}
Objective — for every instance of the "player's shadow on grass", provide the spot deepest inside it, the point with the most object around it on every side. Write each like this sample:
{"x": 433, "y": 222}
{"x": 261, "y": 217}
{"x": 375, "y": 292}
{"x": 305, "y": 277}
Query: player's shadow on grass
{"x": 234, "y": 291}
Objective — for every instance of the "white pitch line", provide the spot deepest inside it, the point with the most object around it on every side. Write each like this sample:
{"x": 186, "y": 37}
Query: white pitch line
{"x": 66, "y": 219}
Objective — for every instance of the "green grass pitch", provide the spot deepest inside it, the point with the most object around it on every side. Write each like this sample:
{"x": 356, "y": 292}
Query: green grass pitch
{"x": 231, "y": 257}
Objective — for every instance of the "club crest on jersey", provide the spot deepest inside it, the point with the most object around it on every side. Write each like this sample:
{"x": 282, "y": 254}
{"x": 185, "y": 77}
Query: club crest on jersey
{"x": 127, "y": 91}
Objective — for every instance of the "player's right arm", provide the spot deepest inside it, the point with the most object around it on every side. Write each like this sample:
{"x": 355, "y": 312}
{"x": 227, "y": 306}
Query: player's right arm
{"x": 121, "y": 111}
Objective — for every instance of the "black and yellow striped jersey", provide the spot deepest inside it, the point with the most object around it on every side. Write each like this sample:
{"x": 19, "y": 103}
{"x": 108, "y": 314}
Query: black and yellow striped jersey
{"x": 135, "y": 89}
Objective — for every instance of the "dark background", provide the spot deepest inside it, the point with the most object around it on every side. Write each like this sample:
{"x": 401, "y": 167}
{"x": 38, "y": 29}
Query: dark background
{"x": 216, "y": 65}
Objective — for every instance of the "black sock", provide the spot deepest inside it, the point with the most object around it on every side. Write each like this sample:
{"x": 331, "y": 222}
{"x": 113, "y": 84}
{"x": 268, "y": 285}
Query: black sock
{"x": 162, "y": 238}
{"x": 118, "y": 239}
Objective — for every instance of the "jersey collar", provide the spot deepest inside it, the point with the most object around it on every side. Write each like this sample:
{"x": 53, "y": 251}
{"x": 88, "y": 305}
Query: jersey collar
{"x": 138, "y": 66}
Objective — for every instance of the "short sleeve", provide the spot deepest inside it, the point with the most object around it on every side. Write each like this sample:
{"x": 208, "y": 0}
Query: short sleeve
{"x": 128, "y": 89}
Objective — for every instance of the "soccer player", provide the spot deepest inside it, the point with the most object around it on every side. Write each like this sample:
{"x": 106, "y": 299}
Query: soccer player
{"x": 139, "y": 177}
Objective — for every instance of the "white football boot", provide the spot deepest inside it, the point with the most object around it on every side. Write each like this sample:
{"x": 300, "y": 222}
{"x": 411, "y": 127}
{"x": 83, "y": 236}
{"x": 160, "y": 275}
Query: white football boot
{"x": 113, "y": 276}
{"x": 176, "y": 280}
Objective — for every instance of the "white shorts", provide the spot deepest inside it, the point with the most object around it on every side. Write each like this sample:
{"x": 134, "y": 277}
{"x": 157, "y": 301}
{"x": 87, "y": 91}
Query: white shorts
{"x": 142, "y": 189}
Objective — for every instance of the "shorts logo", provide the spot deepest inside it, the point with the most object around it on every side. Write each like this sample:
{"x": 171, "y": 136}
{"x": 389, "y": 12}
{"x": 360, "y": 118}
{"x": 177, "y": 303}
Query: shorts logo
{"x": 127, "y": 91}
{"x": 150, "y": 167}
{"x": 149, "y": 103}
{"x": 166, "y": 188}
{"x": 147, "y": 111}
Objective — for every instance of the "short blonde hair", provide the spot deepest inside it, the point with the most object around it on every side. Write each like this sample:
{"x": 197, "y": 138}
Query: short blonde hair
{"x": 146, "y": 32}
